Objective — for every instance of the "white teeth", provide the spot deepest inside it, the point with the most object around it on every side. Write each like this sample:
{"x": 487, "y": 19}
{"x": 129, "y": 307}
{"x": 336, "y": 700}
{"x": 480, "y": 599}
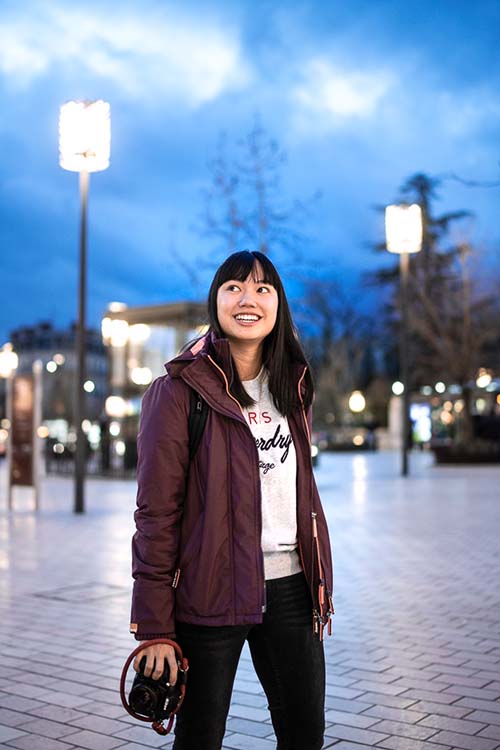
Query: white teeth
{"x": 249, "y": 318}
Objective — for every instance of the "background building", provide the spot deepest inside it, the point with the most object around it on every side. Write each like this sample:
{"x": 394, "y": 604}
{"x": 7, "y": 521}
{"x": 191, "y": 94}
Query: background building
{"x": 139, "y": 341}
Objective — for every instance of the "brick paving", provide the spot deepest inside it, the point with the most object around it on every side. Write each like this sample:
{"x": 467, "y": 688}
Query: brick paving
{"x": 414, "y": 662}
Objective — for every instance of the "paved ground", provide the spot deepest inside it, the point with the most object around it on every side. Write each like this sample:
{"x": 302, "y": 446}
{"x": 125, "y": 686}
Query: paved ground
{"x": 414, "y": 662}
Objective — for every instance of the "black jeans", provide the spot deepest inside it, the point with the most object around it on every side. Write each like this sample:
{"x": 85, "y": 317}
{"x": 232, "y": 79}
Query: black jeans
{"x": 289, "y": 661}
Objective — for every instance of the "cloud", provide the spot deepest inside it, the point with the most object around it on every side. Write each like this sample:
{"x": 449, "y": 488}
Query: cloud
{"x": 146, "y": 54}
{"x": 338, "y": 95}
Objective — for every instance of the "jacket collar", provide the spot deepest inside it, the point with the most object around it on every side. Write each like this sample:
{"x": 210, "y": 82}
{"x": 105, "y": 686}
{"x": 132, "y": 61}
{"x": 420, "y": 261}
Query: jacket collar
{"x": 199, "y": 365}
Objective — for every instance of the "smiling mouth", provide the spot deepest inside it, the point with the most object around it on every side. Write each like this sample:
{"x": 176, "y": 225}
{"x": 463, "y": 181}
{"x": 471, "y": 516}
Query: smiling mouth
{"x": 247, "y": 317}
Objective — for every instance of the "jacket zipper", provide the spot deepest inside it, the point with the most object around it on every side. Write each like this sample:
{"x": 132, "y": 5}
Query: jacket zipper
{"x": 320, "y": 617}
{"x": 257, "y": 484}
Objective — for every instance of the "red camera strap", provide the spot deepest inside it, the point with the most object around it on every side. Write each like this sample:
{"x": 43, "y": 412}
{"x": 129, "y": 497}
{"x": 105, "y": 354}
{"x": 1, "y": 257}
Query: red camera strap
{"x": 157, "y": 725}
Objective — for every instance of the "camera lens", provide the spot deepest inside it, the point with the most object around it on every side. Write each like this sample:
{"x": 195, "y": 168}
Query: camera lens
{"x": 142, "y": 700}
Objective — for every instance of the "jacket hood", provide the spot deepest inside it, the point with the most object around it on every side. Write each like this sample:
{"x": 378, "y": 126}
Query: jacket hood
{"x": 203, "y": 347}
{"x": 218, "y": 349}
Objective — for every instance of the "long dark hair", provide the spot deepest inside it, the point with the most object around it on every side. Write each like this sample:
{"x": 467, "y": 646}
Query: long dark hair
{"x": 281, "y": 347}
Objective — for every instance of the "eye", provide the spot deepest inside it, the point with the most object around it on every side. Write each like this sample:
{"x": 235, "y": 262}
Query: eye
{"x": 232, "y": 287}
{"x": 263, "y": 290}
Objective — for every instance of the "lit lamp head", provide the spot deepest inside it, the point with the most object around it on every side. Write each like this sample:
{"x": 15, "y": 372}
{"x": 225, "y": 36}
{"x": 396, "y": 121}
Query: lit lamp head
{"x": 403, "y": 228}
{"x": 8, "y": 361}
{"x": 84, "y": 136}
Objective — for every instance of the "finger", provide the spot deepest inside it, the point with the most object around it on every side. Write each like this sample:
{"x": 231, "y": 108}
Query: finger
{"x": 172, "y": 663}
{"x": 150, "y": 663}
{"x": 137, "y": 661}
{"x": 158, "y": 668}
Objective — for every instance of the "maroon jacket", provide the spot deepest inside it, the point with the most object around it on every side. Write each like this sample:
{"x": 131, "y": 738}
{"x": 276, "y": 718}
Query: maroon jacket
{"x": 196, "y": 554}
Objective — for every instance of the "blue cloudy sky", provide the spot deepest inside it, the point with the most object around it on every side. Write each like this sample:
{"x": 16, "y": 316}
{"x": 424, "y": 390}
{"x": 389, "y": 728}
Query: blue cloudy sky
{"x": 360, "y": 95}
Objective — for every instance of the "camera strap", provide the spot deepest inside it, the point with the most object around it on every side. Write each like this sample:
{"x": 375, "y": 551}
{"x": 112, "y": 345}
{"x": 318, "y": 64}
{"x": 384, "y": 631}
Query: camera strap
{"x": 184, "y": 666}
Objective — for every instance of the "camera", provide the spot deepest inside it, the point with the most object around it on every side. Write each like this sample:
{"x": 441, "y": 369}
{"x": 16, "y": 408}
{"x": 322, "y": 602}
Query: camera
{"x": 156, "y": 699}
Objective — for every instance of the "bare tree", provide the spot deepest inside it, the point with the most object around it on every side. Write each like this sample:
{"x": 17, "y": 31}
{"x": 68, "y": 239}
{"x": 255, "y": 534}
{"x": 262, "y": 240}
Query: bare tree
{"x": 457, "y": 329}
{"x": 245, "y": 204}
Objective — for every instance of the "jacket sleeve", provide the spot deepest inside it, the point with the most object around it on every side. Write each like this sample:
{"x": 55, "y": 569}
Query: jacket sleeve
{"x": 162, "y": 465}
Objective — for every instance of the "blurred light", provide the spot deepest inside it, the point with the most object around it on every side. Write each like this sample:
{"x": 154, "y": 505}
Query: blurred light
{"x": 106, "y": 329}
{"x": 9, "y": 361}
{"x": 5, "y": 423}
{"x": 94, "y": 435}
{"x": 51, "y": 366}
{"x": 498, "y": 399}
{"x": 420, "y": 414}
{"x": 86, "y": 425}
{"x": 114, "y": 429}
{"x": 120, "y": 447}
{"x": 403, "y": 228}
{"x": 117, "y": 306}
{"x": 455, "y": 389}
{"x": 426, "y": 390}
{"x": 84, "y": 136}
{"x": 459, "y": 405}
{"x": 483, "y": 379}
{"x": 43, "y": 431}
{"x": 440, "y": 387}
{"x": 89, "y": 386}
{"x": 480, "y": 404}
{"x": 141, "y": 375}
{"x": 58, "y": 448}
{"x": 358, "y": 440}
{"x": 314, "y": 451}
{"x": 398, "y": 388}
{"x": 139, "y": 332}
{"x": 448, "y": 405}
{"x": 4, "y": 434}
{"x": 118, "y": 332}
{"x": 446, "y": 417}
{"x": 357, "y": 402}
{"x": 59, "y": 359}
{"x": 116, "y": 407}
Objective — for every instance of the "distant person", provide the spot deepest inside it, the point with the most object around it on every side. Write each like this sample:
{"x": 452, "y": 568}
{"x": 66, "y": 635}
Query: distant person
{"x": 233, "y": 546}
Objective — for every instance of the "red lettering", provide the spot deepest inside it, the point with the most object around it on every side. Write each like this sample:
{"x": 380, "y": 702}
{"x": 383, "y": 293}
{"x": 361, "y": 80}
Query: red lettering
{"x": 252, "y": 417}
{"x": 266, "y": 417}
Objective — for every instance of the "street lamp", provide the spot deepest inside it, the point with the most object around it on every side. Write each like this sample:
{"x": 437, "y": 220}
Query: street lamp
{"x": 403, "y": 228}
{"x": 84, "y": 146}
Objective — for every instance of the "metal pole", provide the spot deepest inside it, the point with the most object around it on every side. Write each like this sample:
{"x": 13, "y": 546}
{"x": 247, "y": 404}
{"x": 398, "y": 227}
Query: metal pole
{"x": 9, "y": 413}
{"x": 403, "y": 348}
{"x": 37, "y": 420}
{"x": 80, "y": 454}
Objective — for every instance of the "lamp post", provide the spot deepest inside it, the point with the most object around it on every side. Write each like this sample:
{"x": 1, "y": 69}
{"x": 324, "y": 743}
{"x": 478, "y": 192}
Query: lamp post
{"x": 84, "y": 146}
{"x": 9, "y": 362}
{"x": 403, "y": 228}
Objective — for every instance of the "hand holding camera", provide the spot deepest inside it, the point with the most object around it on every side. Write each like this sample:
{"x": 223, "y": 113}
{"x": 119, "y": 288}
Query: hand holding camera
{"x": 159, "y": 685}
{"x": 155, "y": 662}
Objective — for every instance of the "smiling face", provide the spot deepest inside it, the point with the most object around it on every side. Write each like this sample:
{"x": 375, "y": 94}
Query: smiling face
{"x": 247, "y": 310}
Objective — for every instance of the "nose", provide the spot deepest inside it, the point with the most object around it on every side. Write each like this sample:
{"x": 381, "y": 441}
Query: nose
{"x": 247, "y": 299}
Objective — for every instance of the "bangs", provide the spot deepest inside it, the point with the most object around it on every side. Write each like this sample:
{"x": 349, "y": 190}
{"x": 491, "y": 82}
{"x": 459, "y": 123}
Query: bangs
{"x": 239, "y": 266}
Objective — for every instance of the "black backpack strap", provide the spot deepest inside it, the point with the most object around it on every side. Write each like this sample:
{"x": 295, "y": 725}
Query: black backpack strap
{"x": 198, "y": 412}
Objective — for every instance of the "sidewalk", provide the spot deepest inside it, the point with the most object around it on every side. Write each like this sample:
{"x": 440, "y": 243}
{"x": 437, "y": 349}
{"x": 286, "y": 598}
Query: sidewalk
{"x": 414, "y": 661}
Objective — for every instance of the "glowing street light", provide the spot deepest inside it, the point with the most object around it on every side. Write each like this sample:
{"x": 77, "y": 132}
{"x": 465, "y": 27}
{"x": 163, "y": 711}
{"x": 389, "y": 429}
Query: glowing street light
{"x": 357, "y": 402}
{"x": 8, "y": 361}
{"x": 483, "y": 378}
{"x": 404, "y": 234}
{"x": 84, "y": 147}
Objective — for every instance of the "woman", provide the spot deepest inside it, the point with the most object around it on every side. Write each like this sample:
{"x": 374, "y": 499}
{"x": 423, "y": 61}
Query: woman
{"x": 232, "y": 546}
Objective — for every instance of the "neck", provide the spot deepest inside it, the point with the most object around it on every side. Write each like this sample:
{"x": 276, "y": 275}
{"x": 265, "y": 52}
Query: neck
{"x": 247, "y": 358}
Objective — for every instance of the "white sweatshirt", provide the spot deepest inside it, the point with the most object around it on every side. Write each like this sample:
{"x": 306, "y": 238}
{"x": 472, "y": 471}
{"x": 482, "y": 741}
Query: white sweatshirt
{"x": 278, "y": 475}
